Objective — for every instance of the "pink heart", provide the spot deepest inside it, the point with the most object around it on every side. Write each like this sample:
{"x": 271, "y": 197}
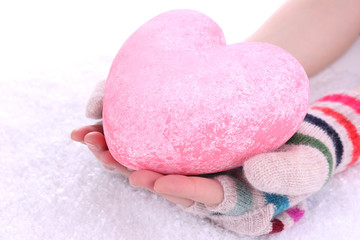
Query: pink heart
{"x": 179, "y": 100}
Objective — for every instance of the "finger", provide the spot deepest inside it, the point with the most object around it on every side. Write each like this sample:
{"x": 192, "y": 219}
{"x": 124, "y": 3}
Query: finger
{"x": 204, "y": 190}
{"x": 288, "y": 171}
{"x": 97, "y": 145}
{"x": 181, "y": 201}
{"x": 106, "y": 158}
{"x": 146, "y": 179}
{"x": 79, "y": 133}
{"x": 96, "y": 141}
{"x": 110, "y": 163}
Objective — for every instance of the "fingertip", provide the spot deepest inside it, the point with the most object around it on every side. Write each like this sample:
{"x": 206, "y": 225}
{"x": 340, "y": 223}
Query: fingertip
{"x": 78, "y": 134}
{"x": 135, "y": 178}
{"x": 144, "y": 178}
{"x": 132, "y": 179}
{"x": 91, "y": 136}
{"x": 75, "y": 135}
{"x": 96, "y": 139}
{"x": 158, "y": 186}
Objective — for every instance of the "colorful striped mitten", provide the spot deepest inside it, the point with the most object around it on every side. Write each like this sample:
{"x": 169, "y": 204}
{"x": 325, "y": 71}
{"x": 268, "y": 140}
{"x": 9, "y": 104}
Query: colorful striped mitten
{"x": 268, "y": 193}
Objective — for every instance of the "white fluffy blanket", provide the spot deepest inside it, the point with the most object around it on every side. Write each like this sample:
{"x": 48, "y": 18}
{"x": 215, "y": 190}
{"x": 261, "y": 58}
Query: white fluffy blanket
{"x": 53, "y": 188}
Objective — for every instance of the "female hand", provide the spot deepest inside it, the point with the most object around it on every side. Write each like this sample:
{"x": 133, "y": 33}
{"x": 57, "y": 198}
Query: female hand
{"x": 178, "y": 189}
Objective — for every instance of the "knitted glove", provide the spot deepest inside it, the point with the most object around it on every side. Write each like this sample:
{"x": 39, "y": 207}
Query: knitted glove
{"x": 268, "y": 193}
{"x": 95, "y": 104}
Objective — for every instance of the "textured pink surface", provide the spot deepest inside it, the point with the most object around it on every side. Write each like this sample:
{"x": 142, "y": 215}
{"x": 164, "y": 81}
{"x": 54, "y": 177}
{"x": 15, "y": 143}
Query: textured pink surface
{"x": 179, "y": 100}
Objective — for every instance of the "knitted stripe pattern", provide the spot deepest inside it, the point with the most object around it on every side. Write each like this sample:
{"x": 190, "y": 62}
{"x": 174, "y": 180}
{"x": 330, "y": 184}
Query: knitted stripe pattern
{"x": 269, "y": 193}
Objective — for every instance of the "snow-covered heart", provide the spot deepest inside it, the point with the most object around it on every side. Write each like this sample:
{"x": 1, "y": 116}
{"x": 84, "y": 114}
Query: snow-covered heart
{"x": 178, "y": 100}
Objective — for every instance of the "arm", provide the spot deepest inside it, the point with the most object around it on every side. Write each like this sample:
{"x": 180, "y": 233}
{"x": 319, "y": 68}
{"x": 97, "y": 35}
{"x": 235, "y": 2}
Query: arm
{"x": 316, "y": 32}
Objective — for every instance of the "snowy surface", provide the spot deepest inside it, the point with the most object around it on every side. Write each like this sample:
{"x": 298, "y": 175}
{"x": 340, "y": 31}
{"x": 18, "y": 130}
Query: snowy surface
{"x": 53, "y": 188}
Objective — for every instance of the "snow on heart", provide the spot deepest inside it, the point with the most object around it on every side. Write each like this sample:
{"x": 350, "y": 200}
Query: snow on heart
{"x": 178, "y": 100}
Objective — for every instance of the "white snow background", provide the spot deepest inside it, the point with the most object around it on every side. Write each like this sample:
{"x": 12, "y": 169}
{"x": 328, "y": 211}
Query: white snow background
{"x": 52, "y": 53}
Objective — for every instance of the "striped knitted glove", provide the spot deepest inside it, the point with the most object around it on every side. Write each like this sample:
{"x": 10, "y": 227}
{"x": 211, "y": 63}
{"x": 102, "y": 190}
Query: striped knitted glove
{"x": 268, "y": 193}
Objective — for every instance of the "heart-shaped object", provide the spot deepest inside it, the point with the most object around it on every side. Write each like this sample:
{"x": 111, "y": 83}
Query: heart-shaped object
{"x": 178, "y": 100}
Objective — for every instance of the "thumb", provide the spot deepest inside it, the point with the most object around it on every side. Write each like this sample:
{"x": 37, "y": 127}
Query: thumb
{"x": 292, "y": 170}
